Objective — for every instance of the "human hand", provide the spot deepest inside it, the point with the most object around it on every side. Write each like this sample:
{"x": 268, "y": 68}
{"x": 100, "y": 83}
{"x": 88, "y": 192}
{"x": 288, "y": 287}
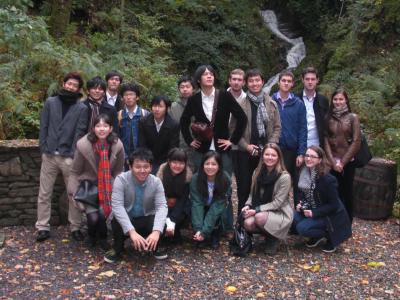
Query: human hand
{"x": 195, "y": 144}
{"x": 249, "y": 213}
{"x": 152, "y": 240}
{"x": 308, "y": 213}
{"x": 245, "y": 208}
{"x": 299, "y": 160}
{"x": 224, "y": 144}
{"x": 298, "y": 207}
{"x": 252, "y": 149}
{"x": 78, "y": 205}
{"x": 338, "y": 167}
{"x": 139, "y": 243}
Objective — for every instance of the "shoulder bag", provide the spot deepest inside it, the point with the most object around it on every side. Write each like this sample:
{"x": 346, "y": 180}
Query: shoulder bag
{"x": 87, "y": 193}
{"x": 202, "y": 131}
{"x": 363, "y": 155}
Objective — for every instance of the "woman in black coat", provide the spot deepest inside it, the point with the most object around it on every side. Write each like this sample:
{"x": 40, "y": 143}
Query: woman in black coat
{"x": 320, "y": 215}
{"x": 158, "y": 132}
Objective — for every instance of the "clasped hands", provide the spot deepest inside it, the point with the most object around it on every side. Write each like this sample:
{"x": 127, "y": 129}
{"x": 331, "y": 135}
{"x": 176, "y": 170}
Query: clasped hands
{"x": 142, "y": 244}
{"x": 248, "y": 212}
{"x": 222, "y": 143}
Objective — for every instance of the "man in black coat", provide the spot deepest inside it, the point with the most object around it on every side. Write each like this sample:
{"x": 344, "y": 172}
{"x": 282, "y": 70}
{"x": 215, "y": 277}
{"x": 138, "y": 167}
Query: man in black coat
{"x": 97, "y": 105}
{"x": 114, "y": 80}
{"x": 317, "y": 107}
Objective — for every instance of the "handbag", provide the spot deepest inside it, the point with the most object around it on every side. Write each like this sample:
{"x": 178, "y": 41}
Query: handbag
{"x": 202, "y": 131}
{"x": 87, "y": 193}
{"x": 363, "y": 155}
{"x": 242, "y": 243}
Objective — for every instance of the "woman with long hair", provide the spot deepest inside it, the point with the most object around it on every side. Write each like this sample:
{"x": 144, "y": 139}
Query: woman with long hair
{"x": 320, "y": 215}
{"x": 99, "y": 158}
{"x": 176, "y": 175}
{"x": 268, "y": 210}
{"x": 342, "y": 142}
{"x": 210, "y": 190}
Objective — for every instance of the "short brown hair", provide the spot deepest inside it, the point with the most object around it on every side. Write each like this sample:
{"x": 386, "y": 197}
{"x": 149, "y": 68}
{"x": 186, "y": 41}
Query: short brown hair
{"x": 285, "y": 73}
{"x": 74, "y": 75}
{"x": 309, "y": 70}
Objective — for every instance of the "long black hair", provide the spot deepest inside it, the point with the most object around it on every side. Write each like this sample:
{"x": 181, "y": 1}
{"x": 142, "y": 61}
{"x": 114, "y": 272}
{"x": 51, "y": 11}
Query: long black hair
{"x": 111, "y": 138}
{"x": 221, "y": 183}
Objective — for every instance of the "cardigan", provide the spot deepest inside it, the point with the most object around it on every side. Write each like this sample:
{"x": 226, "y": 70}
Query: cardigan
{"x": 227, "y": 105}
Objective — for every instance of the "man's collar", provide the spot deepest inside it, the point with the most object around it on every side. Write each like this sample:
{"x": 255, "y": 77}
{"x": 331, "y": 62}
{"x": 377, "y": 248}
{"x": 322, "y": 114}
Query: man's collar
{"x": 290, "y": 96}
{"x": 109, "y": 96}
{"x": 305, "y": 95}
{"x": 211, "y": 95}
{"x": 134, "y": 111}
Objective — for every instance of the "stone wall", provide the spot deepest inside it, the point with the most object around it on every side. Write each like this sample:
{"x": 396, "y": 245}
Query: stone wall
{"x": 20, "y": 162}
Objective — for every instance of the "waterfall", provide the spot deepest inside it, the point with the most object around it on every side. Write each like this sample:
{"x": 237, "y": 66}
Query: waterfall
{"x": 294, "y": 56}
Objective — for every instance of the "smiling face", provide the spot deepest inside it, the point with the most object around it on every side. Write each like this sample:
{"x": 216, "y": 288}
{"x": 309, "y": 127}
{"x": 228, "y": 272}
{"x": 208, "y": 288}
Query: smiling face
{"x": 270, "y": 158}
{"x": 102, "y": 130}
{"x": 310, "y": 81}
{"x": 207, "y": 79}
{"x": 96, "y": 93}
{"x": 176, "y": 167}
{"x": 339, "y": 101}
{"x": 159, "y": 110}
{"x": 71, "y": 85}
{"x": 236, "y": 82}
{"x": 312, "y": 159}
{"x": 211, "y": 168}
{"x": 255, "y": 84}
{"x": 140, "y": 170}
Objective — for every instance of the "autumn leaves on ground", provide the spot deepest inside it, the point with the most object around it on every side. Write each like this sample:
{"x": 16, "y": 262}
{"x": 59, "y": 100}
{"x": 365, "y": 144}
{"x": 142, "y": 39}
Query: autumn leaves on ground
{"x": 366, "y": 266}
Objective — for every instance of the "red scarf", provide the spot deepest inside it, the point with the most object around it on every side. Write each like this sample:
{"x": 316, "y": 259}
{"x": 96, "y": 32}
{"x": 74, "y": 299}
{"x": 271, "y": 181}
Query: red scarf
{"x": 104, "y": 177}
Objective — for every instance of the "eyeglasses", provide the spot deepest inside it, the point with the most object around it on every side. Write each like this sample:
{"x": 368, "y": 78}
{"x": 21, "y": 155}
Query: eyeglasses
{"x": 311, "y": 156}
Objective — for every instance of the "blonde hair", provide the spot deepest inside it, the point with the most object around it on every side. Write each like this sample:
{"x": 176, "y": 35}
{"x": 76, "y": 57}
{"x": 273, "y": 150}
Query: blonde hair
{"x": 236, "y": 72}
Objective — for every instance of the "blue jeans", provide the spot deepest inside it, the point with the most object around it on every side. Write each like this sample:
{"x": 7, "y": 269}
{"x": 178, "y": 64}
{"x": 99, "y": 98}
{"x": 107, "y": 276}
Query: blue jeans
{"x": 309, "y": 227}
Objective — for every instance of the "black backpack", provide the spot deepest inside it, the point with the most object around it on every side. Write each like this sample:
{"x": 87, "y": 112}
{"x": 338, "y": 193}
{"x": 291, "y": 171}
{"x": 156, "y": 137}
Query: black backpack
{"x": 241, "y": 244}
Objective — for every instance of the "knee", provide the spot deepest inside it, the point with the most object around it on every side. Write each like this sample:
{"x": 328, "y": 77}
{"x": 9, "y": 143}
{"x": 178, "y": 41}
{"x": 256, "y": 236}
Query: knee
{"x": 301, "y": 229}
{"x": 249, "y": 223}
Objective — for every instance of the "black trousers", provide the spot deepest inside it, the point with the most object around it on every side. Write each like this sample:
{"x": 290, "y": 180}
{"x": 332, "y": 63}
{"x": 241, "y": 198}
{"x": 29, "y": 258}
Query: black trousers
{"x": 143, "y": 226}
{"x": 289, "y": 157}
{"x": 345, "y": 182}
{"x": 246, "y": 164}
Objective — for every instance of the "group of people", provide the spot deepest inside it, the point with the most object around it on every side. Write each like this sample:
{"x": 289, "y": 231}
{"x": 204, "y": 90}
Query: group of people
{"x": 157, "y": 170}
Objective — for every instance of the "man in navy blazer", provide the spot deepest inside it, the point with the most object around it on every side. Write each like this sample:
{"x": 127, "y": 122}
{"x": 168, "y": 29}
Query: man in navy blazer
{"x": 62, "y": 122}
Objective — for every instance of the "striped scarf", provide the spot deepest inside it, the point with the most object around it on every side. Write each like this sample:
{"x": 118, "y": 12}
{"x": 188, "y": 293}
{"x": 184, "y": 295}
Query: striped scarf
{"x": 306, "y": 185}
{"x": 262, "y": 115}
{"x": 104, "y": 176}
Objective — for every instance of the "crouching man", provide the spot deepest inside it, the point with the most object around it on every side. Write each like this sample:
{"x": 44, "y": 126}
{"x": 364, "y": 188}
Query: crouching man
{"x": 139, "y": 208}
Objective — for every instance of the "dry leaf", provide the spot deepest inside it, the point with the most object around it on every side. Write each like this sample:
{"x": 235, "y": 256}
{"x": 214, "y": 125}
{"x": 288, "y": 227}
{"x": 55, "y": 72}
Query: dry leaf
{"x": 231, "y": 289}
{"x": 376, "y": 264}
{"x": 107, "y": 273}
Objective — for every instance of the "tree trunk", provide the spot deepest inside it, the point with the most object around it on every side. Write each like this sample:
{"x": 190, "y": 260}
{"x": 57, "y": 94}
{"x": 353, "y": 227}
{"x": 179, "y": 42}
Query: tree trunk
{"x": 60, "y": 15}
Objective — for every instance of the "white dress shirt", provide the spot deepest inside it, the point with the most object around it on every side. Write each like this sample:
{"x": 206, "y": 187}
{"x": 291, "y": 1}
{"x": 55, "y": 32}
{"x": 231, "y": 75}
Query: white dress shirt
{"x": 312, "y": 132}
{"x": 111, "y": 99}
{"x": 208, "y": 103}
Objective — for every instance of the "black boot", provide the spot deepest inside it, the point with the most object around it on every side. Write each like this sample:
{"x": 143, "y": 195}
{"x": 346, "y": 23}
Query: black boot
{"x": 271, "y": 246}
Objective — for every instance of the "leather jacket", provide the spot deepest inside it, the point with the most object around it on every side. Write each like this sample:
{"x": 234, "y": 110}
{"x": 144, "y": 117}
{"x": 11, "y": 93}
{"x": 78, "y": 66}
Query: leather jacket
{"x": 343, "y": 137}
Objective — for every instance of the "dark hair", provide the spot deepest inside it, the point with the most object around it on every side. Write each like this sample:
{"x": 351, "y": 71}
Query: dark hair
{"x": 158, "y": 99}
{"x": 339, "y": 91}
{"x": 111, "y": 138}
{"x": 285, "y": 73}
{"x": 253, "y": 73}
{"x": 96, "y": 82}
{"x": 185, "y": 78}
{"x": 221, "y": 184}
{"x": 200, "y": 71}
{"x": 74, "y": 75}
{"x": 114, "y": 73}
{"x": 324, "y": 166}
{"x": 177, "y": 154}
{"x": 309, "y": 70}
{"x": 141, "y": 154}
{"x": 130, "y": 87}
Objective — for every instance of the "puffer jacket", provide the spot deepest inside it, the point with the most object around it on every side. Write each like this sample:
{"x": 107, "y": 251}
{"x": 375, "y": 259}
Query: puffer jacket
{"x": 343, "y": 137}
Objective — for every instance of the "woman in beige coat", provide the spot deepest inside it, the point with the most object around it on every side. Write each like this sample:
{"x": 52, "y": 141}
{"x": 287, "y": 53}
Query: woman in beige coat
{"x": 99, "y": 158}
{"x": 268, "y": 210}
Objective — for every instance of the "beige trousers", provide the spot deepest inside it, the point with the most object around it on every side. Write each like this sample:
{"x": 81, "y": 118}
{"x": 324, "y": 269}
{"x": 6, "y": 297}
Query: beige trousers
{"x": 51, "y": 166}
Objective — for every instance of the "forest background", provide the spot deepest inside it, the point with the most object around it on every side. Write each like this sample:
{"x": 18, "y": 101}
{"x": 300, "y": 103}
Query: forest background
{"x": 354, "y": 44}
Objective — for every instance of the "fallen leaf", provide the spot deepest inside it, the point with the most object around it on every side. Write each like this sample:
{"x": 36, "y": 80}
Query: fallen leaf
{"x": 23, "y": 251}
{"x": 65, "y": 241}
{"x": 94, "y": 267}
{"x": 365, "y": 281}
{"x": 107, "y": 273}
{"x": 231, "y": 289}
{"x": 260, "y": 295}
{"x": 376, "y": 264}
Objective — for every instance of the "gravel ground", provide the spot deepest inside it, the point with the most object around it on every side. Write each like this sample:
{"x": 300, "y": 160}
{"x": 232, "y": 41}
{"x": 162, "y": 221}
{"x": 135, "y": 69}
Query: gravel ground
{"x": 366, "y": 266}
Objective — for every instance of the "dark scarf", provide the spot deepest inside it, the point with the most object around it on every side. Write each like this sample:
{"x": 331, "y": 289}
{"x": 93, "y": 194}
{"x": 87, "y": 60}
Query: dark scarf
{"x": 68, "y": 99}
{"x": 265, "y": 187}
{"x": 104, "y": 176}
{"x": 174, "y": 186}
{"x": 338, "y": 113}
{"x": 95, "y": 107}
{"x": 262, "y": 114}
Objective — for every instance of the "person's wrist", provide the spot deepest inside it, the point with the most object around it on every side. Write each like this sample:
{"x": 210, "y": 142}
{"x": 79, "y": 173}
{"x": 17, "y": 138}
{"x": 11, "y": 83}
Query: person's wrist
{"x": 257, "y": 209}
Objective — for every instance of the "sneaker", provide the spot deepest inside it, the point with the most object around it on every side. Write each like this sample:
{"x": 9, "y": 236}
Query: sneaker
{"x": 160, "y": 254}
{"x": 112, "y": 256}
{"x": 314, "y": 242}
{"x": 328, "y": 248}
{"x": 77, "y": 235}
{"x": 42, "y": 235}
